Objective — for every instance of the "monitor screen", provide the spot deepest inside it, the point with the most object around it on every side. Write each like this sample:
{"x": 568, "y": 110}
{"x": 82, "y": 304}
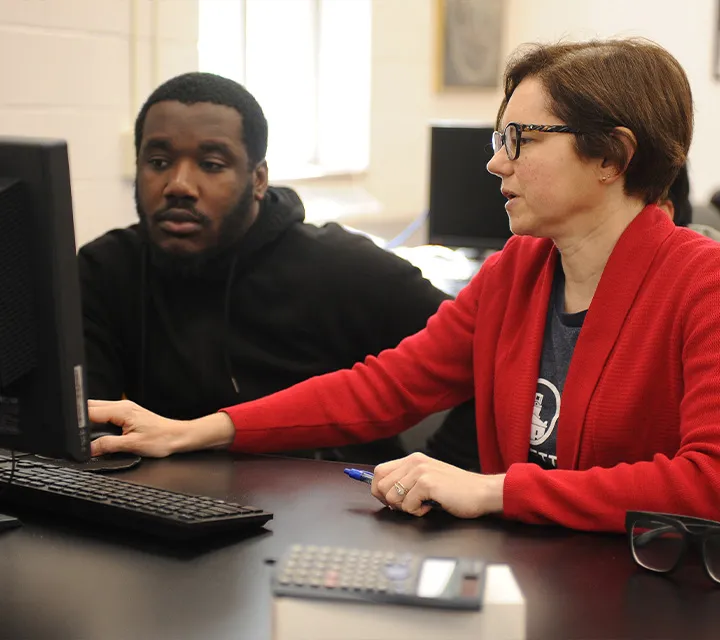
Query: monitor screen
{"x": 466, "y": 206}
{"x": 43, "y": 408}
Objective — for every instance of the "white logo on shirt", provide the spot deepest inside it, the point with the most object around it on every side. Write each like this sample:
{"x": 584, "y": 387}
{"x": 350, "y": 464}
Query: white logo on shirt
{"x": 541, "y": 430}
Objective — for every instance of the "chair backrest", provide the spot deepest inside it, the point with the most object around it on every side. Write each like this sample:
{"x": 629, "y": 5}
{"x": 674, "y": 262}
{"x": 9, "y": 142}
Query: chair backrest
{"x": 706, "y": 214}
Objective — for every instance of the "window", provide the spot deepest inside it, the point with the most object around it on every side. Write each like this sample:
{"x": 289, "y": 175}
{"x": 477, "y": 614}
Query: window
{"x": 307, "y": 62}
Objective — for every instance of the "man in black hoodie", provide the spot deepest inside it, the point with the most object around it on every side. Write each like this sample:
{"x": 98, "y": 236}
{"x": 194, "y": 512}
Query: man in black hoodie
{"x": 222, "y": 294}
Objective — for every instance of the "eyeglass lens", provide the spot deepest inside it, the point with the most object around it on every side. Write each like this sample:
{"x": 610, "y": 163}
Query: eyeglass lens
{"x": 509, "y": 138}
{"x": 711, "y": 552}
{"x": 657, "y": 545}
{"x": 497, "y": 141}
{"x": 511, "y": 141}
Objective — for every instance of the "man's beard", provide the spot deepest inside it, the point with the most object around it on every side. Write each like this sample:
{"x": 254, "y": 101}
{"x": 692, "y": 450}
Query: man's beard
{"x": 200, "y": 263}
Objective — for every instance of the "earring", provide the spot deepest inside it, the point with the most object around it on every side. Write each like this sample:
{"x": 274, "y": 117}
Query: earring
{"x": 604, "y": 178}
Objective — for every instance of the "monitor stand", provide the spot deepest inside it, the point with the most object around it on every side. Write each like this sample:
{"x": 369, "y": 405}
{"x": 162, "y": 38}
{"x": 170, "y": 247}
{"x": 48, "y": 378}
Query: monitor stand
{"x": 8, "y": 522}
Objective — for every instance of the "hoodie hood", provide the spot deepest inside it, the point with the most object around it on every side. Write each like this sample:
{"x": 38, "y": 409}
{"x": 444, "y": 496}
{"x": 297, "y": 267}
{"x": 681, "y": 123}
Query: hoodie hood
{"x": 280, "y": 209}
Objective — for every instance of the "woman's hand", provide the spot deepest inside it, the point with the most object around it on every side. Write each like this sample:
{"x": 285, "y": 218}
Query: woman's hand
{"x": 147, "y": 434}
{"x": 462, "y": 493}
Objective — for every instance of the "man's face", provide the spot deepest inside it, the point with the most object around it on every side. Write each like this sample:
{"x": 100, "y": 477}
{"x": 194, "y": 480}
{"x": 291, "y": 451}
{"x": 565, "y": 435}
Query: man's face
{"x": 196, "y": 192}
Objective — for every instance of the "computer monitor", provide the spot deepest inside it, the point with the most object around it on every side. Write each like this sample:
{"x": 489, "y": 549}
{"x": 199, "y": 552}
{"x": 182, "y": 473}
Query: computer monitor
{"x": 43, "y": 408}
{"x": 466, "y": 206}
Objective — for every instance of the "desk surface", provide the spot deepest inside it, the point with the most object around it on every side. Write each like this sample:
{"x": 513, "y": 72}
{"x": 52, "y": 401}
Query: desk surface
{"x": 62, "y": 580}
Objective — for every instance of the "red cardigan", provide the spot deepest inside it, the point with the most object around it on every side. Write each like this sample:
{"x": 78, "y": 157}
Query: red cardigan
{"x": 640, "y": 421}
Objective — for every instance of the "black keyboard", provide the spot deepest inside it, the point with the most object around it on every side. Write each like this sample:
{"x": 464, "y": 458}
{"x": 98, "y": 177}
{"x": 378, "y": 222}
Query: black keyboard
{"x": 159, "y": 512}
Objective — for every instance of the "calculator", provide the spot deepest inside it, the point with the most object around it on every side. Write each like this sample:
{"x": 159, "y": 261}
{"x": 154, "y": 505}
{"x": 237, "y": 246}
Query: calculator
{"x": 380, "y": 577}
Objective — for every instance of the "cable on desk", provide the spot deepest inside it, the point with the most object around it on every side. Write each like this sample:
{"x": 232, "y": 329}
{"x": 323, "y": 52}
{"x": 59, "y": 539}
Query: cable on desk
{"x": 407, "y": 231}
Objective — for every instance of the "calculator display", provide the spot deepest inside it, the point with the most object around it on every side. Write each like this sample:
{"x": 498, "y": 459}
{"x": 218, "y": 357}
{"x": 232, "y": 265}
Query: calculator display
{"x": 435, "y": 576}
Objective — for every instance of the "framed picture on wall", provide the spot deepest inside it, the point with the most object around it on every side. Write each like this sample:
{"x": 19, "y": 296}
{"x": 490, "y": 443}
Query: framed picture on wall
{"x": 470, "y": 38}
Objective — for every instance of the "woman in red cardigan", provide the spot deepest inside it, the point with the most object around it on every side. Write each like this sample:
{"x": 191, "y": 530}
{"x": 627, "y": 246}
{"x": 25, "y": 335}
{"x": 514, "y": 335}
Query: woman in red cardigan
{"x": 591, "y": 342}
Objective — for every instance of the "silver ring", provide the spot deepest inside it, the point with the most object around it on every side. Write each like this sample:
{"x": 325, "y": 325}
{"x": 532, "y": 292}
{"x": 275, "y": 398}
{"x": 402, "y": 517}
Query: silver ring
{"x": 400, "y": 489}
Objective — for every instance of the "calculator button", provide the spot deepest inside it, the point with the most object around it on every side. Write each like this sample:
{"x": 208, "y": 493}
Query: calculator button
{"x": 396, "y": 571}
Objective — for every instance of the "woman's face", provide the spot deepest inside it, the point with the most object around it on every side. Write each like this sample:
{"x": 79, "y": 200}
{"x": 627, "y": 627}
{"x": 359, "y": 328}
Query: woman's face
{"x": 550, "y": 189}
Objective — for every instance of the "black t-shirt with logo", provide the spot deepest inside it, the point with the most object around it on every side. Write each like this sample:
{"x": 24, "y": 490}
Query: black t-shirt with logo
{"x": 561, "y": 334}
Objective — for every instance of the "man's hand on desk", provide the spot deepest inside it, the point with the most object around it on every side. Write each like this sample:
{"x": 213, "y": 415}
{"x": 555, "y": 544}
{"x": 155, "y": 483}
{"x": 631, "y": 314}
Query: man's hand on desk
{"x": 405, "y": 484}
{"x": 147, "y": 434}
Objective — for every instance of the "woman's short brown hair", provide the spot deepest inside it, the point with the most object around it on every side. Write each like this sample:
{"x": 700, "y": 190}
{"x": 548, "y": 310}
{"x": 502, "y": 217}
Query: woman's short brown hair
{"x": 597, "y": 86}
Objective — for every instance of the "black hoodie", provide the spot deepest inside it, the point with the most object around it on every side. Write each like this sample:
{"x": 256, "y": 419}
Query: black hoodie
{"x": 289, "y": 301}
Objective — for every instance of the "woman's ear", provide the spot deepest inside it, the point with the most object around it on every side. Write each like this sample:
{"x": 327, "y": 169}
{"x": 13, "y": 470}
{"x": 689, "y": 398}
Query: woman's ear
{"x": 624, "y": 145}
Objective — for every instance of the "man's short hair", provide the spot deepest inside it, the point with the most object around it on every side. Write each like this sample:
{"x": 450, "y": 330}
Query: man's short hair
{"x": 597, "y": 86}
{"x": 195, "y": 87}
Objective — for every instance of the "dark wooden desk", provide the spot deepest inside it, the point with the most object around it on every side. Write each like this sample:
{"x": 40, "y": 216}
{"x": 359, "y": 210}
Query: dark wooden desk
{"x": 63, "y": 580}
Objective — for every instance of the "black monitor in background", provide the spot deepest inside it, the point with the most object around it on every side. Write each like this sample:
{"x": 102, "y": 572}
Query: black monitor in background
{"x": 43, "y": 408}
{"x": 466, "y": 206}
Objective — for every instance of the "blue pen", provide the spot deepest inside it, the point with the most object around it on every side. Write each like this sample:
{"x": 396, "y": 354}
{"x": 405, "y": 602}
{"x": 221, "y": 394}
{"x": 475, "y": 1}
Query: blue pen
{"x": 359, "y": 474}
{"x": 367, "y": 477}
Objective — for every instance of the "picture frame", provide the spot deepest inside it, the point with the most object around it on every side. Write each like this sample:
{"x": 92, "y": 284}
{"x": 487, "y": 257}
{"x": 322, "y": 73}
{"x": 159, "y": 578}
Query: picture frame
{"x": 469, "y": 44}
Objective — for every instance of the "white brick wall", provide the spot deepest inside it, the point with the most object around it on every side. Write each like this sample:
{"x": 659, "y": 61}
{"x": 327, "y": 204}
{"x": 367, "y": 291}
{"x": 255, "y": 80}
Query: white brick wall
{"x": 65, "y": 72}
